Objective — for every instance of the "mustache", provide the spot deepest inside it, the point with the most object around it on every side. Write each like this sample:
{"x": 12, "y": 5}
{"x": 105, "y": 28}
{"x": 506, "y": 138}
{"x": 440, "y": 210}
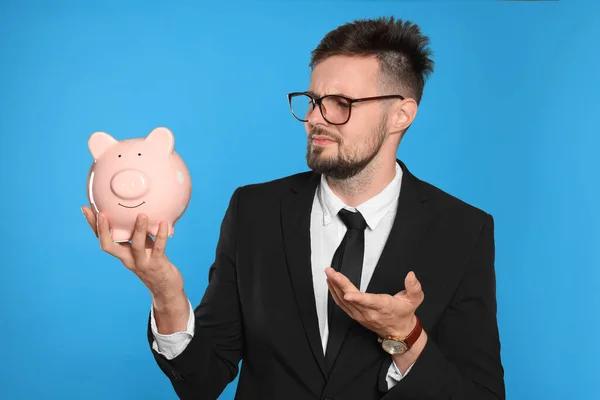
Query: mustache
{"x": 316, "y": 131}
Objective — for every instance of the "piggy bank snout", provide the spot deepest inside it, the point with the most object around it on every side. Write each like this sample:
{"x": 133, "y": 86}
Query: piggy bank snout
{"x": 130, "y": 184}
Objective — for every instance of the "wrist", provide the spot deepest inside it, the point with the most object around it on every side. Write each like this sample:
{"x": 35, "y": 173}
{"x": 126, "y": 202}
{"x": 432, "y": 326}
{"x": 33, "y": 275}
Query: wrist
{"x": 169, "y": 302}
{"x": 396, "y": 344}
{"x": 405, "y": 329}
{"x": 404, "y": 361}
{"x": 171, "y": 313}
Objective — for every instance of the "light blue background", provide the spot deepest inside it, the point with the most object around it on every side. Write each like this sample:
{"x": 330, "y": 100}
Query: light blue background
{"x": 508, "y": 123}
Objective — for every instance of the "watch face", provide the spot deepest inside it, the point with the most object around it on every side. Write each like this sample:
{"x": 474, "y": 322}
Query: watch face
{"x": 394, "y": 346}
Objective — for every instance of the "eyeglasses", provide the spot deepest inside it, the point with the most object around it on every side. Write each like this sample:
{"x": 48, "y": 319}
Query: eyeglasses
{"x": 335, "y": 109}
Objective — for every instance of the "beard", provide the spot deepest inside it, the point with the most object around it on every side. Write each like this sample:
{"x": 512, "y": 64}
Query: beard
{"x": 347, "y": 162}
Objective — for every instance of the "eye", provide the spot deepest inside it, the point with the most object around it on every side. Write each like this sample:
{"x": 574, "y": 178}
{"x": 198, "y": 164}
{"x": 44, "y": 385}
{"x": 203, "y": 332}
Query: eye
{"x": 119, "y": 156}
{"x": 139, "y": 154}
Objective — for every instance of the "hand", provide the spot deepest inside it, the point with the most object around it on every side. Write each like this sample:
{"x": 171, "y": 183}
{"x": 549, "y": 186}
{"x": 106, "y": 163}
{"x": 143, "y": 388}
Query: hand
{"x": 143, "y": 256}
{"x": 381, "y": 313}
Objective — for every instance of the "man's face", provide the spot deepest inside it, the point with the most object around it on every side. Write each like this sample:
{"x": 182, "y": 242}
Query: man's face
{"x": 342, "y": 151}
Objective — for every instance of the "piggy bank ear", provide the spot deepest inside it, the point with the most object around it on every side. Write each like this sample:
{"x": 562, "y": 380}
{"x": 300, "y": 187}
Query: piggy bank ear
{"x": 162, "y": 139}
{"x": 99, "y": 142}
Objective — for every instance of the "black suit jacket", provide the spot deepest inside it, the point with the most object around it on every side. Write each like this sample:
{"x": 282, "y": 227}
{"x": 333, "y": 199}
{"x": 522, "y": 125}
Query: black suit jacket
{"x": 259, "y": 305}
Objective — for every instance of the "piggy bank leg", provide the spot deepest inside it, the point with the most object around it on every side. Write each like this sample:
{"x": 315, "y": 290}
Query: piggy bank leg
{"x": 121, "y": 235}
{"x": 153, "y": 230}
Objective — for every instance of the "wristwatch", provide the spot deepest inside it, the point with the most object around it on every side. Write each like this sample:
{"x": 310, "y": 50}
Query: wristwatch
{"x": 394, "y": 345}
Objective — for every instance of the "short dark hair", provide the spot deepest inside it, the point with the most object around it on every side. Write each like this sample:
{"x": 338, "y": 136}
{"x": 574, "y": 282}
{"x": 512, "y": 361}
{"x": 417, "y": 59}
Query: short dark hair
{"x": 401, "y": 49}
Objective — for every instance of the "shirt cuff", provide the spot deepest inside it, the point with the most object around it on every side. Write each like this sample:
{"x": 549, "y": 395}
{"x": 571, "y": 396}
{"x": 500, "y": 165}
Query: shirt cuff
{"x": 173, "y": 344}
{"x": 394, "y": 375}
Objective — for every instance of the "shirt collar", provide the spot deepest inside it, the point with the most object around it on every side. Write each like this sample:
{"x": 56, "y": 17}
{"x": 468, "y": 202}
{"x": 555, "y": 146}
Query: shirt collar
{"x": 373, "y": 210}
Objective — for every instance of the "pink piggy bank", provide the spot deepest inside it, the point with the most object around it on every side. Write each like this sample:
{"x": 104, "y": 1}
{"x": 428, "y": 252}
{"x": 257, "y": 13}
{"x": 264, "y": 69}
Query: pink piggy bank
{"x": 133, "y": 176}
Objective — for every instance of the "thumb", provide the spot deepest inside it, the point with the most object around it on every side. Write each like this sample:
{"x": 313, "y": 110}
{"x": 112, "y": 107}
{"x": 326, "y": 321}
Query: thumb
{"x": 413, "y": 288}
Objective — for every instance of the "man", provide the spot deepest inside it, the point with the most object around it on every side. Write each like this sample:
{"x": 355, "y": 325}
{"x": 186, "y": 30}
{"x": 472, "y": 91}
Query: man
{"x": 355, "y": 280}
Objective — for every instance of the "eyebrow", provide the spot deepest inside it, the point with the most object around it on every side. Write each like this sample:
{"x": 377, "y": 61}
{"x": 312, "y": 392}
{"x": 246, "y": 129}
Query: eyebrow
{"x": 313, "y": 94}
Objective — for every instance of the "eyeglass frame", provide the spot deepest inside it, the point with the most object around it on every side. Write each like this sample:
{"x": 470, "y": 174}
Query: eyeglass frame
{"x": 318, "y": 101}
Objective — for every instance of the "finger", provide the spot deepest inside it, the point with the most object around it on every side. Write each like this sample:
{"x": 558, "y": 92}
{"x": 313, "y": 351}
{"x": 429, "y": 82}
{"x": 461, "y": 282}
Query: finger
{"x": 342, "y": 285}
{"x": 414, "y": 291}
{"x": 160, "y": 243}
{"x": 106, "y": 242}
{"x": 339, "y": 291}
{"x": 337, "y": 299}
{"x": 138, "y": 239}
{"x": 340, "y": 281}
{"x": 90, "y": 217}
{"x": 366, "y": 300}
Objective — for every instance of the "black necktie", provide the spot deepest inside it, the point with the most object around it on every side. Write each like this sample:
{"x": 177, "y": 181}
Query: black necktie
{"x": 348, "y": 259}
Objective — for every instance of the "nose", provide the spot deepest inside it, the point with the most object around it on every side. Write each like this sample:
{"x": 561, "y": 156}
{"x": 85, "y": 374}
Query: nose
{"x": 314, "y": 116}
{"x": 130, "y": 184}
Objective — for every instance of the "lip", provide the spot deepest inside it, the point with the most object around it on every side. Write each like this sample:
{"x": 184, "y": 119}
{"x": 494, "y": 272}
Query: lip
{"x": 322, "y": 140}
{"x": 122, "y": 205}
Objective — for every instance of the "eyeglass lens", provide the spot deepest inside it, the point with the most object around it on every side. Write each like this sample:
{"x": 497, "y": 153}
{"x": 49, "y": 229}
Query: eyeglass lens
{"x": 335, "y": 109}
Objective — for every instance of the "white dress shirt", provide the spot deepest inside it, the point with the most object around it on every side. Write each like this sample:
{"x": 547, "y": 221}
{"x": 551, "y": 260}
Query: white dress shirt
{"x": 326, "y": 232}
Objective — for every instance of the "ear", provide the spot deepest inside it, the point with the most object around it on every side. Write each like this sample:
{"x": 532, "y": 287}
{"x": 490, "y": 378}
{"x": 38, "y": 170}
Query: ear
{"x": 99, "y": 142}
{"x": 404, "y": 114}
{"x": 162, "y": 138}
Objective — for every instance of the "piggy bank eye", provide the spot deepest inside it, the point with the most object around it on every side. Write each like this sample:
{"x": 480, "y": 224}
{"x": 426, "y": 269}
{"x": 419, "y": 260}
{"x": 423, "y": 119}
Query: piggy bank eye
{"x": 139, "y": 154}
{"x": 119, "y": 155}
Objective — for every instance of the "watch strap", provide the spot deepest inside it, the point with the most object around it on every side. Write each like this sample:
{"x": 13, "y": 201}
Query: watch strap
{"x": 412, "y": 337}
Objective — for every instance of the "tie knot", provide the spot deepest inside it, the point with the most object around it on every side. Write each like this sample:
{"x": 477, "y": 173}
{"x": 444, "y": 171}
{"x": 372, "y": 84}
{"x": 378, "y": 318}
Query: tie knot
{"x": 353, "y": 220}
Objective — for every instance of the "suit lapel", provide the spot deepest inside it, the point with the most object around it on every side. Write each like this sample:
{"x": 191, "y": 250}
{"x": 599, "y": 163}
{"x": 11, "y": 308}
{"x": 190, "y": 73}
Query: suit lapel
{"x": 295, "y": 215}
{"x": 399, "y": 256}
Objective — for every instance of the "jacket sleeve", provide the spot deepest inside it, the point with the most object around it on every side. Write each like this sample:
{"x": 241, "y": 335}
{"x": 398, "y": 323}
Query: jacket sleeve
{"x": 462, "y": 361}
{"x": 210, "y": 360}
